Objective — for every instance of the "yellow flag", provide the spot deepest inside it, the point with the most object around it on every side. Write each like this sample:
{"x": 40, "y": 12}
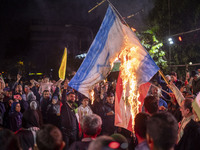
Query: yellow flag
{"x": 63, "y": 66}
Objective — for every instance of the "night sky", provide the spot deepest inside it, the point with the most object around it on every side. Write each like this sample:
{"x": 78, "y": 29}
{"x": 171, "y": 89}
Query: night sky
{"x": 17, "y": 18}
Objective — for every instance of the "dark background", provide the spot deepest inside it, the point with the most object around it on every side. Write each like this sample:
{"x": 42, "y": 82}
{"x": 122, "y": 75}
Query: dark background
{"x": 35, "y": 32}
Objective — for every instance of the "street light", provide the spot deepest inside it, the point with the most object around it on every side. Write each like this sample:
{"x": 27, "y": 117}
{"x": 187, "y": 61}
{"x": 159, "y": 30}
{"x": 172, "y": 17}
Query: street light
{"x": 170, "y": 41}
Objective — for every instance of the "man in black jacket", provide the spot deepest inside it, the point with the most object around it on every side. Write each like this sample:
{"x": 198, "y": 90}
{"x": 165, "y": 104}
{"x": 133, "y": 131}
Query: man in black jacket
{"x": 109, "y": 115}
{"x": 191, "y": 136}
{"x": 68, "y": 120}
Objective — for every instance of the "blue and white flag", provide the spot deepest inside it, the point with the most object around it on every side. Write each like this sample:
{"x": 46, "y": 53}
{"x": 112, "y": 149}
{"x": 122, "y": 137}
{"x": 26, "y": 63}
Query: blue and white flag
{"x": 107, "y": 45}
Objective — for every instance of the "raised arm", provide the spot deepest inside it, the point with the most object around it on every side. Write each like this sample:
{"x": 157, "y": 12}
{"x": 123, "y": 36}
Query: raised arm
{"x": 17, "y": 82}
{"x": 179, "y": 96}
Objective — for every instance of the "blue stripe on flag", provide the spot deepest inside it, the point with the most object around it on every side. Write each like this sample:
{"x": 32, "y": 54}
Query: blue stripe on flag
{"x": 95, "y": 50}
{"x": 147, "y": 70}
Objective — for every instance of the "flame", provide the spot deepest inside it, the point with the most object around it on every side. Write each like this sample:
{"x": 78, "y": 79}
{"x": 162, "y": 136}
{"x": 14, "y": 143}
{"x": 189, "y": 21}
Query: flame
{"x": 92, "y": 96}
{"x": 133, "y": 29}
{"x": 104, "y": 81}
{"x": 128, "y": 75}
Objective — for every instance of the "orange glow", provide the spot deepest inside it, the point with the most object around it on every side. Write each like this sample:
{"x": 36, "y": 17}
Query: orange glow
{"x": 92, "y": 96}
{"x": 128, "y": 68}
{"x": 133, "y": 29}
{"x": 179, "y": 38}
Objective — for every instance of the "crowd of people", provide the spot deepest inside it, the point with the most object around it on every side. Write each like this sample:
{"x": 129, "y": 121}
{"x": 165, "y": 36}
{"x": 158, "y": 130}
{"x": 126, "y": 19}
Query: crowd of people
{"x": 50, "y": 115}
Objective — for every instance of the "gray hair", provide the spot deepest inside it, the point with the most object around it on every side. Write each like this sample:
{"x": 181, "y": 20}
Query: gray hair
{"x": 33, "y": 105}
{"x": 168, "y": 76}
{"x": 91, "y": 124}
{"x": 31, "y": 96}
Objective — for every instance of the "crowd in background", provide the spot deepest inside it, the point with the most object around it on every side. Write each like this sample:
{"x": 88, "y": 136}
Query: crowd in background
{"x": 48, "y": 114}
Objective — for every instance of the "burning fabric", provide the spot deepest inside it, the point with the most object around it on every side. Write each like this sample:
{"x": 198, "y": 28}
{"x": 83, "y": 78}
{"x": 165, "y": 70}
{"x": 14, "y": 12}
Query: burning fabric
{"x": 115, "y": 40}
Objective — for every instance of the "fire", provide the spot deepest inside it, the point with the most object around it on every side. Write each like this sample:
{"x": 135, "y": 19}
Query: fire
{"x": 133, "y": 29}
{"x": 128, "y": 75}
{"x": 92, "y": 96}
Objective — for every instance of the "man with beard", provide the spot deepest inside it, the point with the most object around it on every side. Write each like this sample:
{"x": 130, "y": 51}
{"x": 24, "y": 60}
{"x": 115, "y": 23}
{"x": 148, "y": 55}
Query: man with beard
{"x": 68, "y": 120}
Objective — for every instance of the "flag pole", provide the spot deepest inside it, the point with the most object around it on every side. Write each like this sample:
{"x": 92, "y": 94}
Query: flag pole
{"x": 96, "y": 6}
{"x": 120, "y": 16}
{"x": 160, "y": 88}
{"x": 163, "y": 76}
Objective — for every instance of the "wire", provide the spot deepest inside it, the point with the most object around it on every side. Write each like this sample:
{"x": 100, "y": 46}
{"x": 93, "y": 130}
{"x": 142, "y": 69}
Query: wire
{"x": 186, "y": 32}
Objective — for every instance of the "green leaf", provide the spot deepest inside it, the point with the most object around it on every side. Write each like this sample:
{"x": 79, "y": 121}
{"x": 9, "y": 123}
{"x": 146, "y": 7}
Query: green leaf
{"x": 154, "y": 39}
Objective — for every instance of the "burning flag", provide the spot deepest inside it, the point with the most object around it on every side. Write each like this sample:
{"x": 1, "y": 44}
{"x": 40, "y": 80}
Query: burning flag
{"x": 115, "y": 40}
{"x": 143, "y": 90}
{"x": 102, "y": 53}
{"x": 123, "y": 114}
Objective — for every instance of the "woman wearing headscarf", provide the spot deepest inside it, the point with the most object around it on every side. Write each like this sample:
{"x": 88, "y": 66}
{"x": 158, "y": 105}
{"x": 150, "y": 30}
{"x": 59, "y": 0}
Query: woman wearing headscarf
{"x": 15, "y": 117}
{"x": 6, "y": 121}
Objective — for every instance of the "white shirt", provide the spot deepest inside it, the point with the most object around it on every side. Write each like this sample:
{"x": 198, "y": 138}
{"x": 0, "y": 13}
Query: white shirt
{"x": 84, "y": 111}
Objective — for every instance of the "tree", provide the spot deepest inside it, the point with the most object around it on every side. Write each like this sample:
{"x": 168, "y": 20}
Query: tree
{"x": 154, "y": 46}
{"x": 174, "y": 17}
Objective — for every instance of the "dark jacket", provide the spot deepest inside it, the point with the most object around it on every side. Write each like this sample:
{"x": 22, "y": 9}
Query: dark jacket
{"x": 44, "y": 103}
{"x": 24, "y": 105}
{"x": 6, "y": 120}
{"x": 26, "y": 139}
{"x": 108, "y": 120}
{"x": 98, "y": 108}
{"x": 165, "y": 88}
{"x": 174, "y": 109}
{"x": 15, "y": 121}
{"x": 2, "y": 112}
{"x": 196, "y": 86}
{"x": 68, "y": 124}
{"x": 190, "y": 138}
{"x": 31, "y": 118}
{"x": 178, "y": 83}
{"x": 52, "y": 114}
